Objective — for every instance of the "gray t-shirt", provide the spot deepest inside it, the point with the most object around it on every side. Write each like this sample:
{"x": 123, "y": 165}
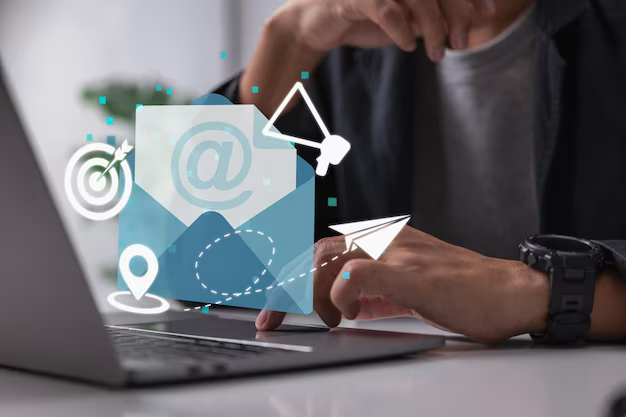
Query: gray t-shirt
{"x": 489, "y": 196}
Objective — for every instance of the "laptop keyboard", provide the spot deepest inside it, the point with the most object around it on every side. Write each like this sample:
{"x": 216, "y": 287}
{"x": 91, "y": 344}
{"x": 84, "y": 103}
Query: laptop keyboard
{"x": 135, "y": 345}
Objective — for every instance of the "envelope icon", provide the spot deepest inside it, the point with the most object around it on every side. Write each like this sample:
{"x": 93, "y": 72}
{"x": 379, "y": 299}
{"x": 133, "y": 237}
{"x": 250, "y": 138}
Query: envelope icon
{"x": 228, "y": 211}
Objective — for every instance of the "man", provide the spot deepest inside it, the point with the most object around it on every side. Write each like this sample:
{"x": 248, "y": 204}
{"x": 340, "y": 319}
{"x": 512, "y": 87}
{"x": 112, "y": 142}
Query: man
{"x": 487, "y": 121}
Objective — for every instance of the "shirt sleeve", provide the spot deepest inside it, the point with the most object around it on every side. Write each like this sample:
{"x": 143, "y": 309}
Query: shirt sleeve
{"x": 616, "y": 251}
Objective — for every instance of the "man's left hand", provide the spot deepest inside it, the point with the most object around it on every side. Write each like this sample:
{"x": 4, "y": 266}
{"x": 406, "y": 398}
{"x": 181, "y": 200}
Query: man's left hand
{"x": 486, "y": 299}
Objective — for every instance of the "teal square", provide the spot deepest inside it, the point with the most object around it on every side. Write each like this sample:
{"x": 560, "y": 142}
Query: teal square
{"x": 158, "y": 87}
{"x": 205, "y": 310}
{"x": 305, "y": 75}
{"x": 139, "y": 105}
{"x": 223, "y": 55}
{"x": 345, "y": 275}
{"x": 110, "y": 120}
{"x": 255, "y": 90}
{"x": 111, "y": 140}
{"x": 169, "y": 91}
{"x": 103, "y": 100}
{"x": 89, "y": 137}
{"x": 332, "y": 201}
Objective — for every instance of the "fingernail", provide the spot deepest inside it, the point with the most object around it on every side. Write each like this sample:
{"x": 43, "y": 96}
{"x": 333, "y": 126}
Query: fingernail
{"x": 437, "y": 54}
{"x": 459, "y": 41}
{"x": 261, "y": 319}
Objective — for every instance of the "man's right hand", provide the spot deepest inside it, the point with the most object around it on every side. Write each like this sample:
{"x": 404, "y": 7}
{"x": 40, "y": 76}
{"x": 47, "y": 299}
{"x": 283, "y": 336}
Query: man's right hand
{"x": 299, "y": 34}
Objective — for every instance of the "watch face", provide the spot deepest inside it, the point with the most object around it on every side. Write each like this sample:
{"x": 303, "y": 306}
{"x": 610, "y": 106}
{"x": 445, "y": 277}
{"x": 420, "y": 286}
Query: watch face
{"x": 562, "y": 243}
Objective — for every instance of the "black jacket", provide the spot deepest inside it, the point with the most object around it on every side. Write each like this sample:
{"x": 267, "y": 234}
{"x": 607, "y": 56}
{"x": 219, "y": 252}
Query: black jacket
{"x": 369, "y": 96}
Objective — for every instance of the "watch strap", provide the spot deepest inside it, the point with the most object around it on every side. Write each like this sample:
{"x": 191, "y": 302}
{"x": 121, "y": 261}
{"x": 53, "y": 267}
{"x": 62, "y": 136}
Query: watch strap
{"x": 572, "y": 288}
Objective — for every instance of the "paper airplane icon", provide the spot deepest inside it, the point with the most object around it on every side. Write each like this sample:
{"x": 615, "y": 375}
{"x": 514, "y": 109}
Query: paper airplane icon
{"x": 373, "y": 236}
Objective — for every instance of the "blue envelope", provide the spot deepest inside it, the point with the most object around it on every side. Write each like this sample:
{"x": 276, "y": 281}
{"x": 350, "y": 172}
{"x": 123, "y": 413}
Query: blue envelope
{"x": 264, "y": 262}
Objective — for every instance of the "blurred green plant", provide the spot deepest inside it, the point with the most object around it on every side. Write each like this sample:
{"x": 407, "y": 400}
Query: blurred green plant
{"x": 121, "y": 103}
{"x": 122, "y": 98}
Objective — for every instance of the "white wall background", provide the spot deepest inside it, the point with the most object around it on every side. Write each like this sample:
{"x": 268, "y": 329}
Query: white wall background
{"x": 51, "y": 49}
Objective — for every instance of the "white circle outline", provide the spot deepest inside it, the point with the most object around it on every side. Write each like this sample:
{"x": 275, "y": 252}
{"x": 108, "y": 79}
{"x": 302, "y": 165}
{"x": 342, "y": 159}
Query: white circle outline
{"x": 105, "y": 215}
{"x": 138, "y": 310}
{"x": 82, "y": 191}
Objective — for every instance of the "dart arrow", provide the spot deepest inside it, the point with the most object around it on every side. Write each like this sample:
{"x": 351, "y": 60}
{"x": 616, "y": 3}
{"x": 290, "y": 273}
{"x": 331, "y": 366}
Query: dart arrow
{"x": 373, "y": 236}
{"x": 120, "y": 154}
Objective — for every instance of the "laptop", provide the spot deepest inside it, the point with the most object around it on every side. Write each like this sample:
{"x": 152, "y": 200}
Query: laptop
{"x": 49, "y": 322}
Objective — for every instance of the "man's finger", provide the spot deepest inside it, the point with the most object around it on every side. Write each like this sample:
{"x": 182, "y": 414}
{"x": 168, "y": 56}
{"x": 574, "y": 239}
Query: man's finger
{"x": 330, "y": 256}
{"x": 430, "y": 20}
{"x": 375, "y": 307}
{"x": 458, "y": 15}
{"x": 484, "y": 8}
{"x": 269, "y": 320}
{"x": 392, "y": 17}
{"x": 367, "y": 277}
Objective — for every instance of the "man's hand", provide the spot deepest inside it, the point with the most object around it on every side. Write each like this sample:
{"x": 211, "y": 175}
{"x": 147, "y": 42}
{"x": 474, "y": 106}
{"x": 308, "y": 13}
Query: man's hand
{"x": 299, "y": 34}
{"x": 449, "y": 287}
{"x": 327, "y": 24}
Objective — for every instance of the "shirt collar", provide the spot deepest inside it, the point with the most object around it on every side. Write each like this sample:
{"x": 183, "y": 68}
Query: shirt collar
{"x": 553, "y": 15}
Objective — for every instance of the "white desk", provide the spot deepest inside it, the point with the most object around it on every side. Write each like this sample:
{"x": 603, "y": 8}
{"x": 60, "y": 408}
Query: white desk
{"x": 464, "y": 379}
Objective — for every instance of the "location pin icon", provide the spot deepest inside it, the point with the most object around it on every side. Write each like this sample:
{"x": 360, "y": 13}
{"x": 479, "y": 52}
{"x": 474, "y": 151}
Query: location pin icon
{"x": 138, "y": 285}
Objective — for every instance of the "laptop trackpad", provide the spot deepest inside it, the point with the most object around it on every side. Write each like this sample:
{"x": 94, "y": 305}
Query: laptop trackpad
{"x": 214, "y": 326}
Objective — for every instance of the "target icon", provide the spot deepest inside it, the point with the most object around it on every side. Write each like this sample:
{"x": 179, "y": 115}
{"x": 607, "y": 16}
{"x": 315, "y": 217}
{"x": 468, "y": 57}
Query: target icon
{"x": 92, "y": 187}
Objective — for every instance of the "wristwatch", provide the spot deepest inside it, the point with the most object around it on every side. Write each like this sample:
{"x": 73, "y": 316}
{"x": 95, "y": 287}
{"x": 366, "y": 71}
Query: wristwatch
{"x": 572, "y": 265}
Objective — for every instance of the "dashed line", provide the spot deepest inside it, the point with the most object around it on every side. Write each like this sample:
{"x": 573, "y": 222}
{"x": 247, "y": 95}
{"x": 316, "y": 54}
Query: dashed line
{"x": 256, "y": 279}
{"x": 197, "y": 308}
